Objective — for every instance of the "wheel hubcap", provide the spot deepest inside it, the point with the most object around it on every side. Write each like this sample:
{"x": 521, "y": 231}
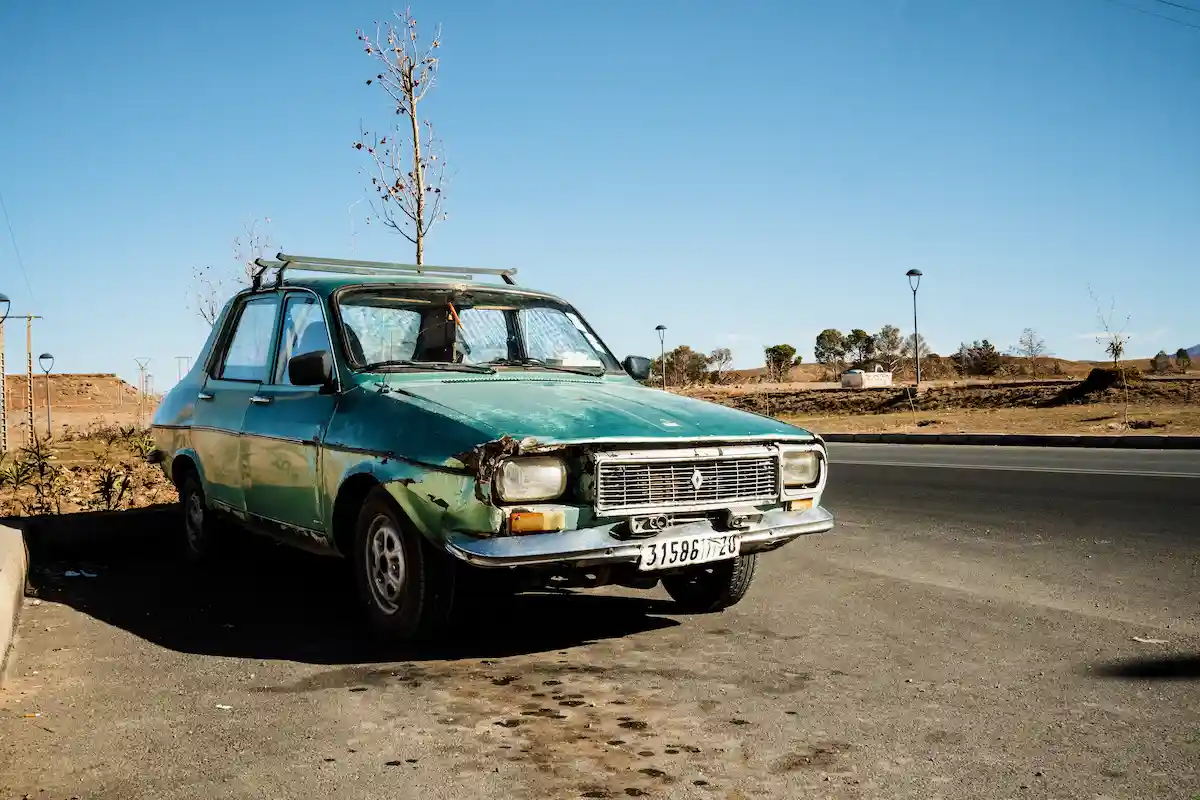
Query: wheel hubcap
{"x": 385, "y": 564}
{"x": 194, "y": 521}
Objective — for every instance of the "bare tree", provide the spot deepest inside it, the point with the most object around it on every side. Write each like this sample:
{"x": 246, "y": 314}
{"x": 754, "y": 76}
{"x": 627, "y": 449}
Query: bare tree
{"x": 1113, "y": 339}
{"x": 407, "y": 168}
{"x": 889, "y": 347}
{"x": 720, "y": 361}
{"x": 1031, "y": 347}
{"x": 211, "y": 290}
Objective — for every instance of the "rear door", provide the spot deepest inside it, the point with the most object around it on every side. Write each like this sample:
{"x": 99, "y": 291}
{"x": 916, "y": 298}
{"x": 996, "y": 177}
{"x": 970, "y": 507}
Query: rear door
{"x": 237, "y": 370}
{"x": 285, "y": 424}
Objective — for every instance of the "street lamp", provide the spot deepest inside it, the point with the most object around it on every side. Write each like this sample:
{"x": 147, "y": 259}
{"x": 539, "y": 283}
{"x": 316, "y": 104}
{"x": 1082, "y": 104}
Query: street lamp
{"x": 46, "y": 362}
{"x": 914, "y": 281}
{"x": 4, "y": 304}
{"x": 662, "y": 349}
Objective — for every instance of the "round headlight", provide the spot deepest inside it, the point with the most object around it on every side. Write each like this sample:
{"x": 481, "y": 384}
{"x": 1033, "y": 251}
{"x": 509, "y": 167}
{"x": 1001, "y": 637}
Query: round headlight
{"x": 800, "y": 468}
{"x": 532, "y": 478}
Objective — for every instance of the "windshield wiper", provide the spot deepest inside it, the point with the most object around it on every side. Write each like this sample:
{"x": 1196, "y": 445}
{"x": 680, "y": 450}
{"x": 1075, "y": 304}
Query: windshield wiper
{"x": 445, "y": 366}
{"x": 540, "y": 364}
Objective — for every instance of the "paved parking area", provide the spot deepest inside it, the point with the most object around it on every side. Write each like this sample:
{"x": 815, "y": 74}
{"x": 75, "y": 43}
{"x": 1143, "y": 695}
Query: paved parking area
{"x": 935, "y": 648}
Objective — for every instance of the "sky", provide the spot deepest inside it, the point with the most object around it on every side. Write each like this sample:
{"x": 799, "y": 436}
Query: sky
{"x": 744, "y": 174}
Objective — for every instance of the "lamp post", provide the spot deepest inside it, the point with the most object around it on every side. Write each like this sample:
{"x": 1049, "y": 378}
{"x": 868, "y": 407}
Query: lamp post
{"x": 662, "y": 349}
{"x": 46, "y": 362}
{"x": 914, "y": 281}
{"x": 4, "y": 306}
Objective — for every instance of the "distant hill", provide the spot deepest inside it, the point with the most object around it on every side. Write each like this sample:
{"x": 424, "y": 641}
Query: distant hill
{"x": 1194, "y": 351}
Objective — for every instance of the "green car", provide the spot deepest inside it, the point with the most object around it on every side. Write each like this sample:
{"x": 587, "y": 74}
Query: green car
{"x": 447, "y": 434}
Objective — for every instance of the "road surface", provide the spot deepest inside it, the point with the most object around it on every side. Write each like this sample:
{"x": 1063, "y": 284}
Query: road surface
{"x": 966, "y": 632}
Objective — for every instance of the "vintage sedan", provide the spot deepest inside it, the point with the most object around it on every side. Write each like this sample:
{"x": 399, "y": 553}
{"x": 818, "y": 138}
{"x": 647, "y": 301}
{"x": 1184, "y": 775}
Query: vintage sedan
{"x": 440, "y": 431}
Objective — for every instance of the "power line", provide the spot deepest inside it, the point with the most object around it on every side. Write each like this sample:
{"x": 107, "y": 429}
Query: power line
{"x": 1193, "y": 9}
{"x": 16, "y": 249}
{"x": 1155, "y": 14}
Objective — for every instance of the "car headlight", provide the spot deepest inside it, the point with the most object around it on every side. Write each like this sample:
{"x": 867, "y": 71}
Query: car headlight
{"x": 800, "y": 468}
{"x": 531, "y": 478}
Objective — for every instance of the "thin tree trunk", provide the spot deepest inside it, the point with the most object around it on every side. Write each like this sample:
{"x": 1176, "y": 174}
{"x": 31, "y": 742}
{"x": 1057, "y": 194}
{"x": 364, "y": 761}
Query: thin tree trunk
{"x": 418, "y": 173}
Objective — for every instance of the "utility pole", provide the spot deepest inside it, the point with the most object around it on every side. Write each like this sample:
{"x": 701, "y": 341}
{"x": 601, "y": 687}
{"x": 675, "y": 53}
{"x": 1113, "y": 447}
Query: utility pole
{"x": 3, "y": 395}
{"x": 29, "y": 318}
{"x": 184, "y": 363}
{"x": 141, "y": 362}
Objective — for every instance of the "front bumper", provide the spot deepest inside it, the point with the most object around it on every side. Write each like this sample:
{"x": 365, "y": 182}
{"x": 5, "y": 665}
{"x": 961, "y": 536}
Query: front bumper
{"x": 588, "y": 546}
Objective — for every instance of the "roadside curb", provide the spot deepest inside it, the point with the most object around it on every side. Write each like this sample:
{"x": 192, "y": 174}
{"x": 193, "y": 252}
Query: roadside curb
{"x": 14, "y": 566}
{"x": 1021, "y": 440}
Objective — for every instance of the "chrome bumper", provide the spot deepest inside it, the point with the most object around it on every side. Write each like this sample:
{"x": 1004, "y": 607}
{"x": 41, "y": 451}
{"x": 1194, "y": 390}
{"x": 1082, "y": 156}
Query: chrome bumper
{"x": 587, "y": 546}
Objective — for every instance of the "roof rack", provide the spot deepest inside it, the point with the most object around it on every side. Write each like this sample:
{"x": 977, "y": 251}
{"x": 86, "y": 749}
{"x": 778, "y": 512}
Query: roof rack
{"x": 344, "y": 266}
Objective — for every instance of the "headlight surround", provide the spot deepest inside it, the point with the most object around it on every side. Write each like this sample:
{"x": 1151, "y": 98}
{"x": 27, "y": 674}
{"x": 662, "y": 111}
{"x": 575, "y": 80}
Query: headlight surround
{"x": 530, "y": 478}
{"x": 800, "y": 468}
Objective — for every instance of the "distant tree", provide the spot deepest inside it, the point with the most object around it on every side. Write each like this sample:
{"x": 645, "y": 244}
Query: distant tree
{"x": 684, "y": 367}
{"x": 213, "y": 289}
{"x": 978, "y": 358}
{"x": 889, "y": 347}
{"x": 830, "y": 348}
{"x": 1183, "y": 360}
{"x": 1031, "y": 347}
{"x": 407, "y": 169}
{"x": 780, "y": 358}
{"x": 1161, "y": 363}
{"x": 921, "y": 347}
{"x": 1112, "y": 338}
{"x": 860, "y": 346}
{"x": 720, "y": 361}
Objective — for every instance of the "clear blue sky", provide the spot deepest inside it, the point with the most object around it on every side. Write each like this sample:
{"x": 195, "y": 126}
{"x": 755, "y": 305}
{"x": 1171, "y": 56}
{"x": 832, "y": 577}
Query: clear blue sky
{"x": 745, "y": 174}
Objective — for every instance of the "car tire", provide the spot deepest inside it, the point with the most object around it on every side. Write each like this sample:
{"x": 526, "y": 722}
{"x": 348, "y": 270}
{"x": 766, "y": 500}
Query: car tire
{"x": 202, "y": 537}
{"x": 404, "y": 584}
{"x": 711, "y": 587}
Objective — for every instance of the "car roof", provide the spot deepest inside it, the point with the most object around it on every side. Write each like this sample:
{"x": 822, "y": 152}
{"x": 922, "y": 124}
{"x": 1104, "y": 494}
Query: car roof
{"x": 326, "y": 285}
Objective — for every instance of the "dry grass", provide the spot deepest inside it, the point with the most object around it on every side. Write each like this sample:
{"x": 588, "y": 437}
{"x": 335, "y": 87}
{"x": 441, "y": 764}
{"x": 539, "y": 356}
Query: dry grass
{"x": 1105, "y": 419}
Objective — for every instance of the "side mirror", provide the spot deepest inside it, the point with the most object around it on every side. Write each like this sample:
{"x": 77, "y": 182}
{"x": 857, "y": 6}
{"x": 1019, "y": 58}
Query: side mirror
{"x": 311, "y": 369}
{"x": 637, "y": 367}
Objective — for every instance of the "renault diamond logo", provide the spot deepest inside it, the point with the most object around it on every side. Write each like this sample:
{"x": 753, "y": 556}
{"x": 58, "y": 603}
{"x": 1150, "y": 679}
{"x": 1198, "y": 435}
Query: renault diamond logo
{"x": 697, "y": 479}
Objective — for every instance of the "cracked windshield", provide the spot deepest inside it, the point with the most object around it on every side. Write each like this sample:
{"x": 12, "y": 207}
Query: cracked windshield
{"x": 676, "y": 400}
{"x": 407, "y": 328}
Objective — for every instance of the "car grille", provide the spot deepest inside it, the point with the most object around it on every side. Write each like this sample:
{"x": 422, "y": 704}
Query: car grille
{"x": 683, "y": 484}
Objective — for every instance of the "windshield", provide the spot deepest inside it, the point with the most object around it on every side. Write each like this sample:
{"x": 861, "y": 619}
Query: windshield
{"x": 408, "y": 327}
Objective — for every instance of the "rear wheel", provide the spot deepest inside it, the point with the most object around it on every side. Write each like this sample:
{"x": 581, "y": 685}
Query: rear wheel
{"x": 201, "y": 533}
{"x": 405, "y": 586}
{"x": 711, "y": 587}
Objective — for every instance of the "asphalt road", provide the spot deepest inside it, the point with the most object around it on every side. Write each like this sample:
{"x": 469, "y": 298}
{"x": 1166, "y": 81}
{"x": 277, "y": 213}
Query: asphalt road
{"x": 964, "y": 632}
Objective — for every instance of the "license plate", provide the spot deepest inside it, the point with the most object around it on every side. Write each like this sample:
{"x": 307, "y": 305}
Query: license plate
{"x": 687, "y": 550}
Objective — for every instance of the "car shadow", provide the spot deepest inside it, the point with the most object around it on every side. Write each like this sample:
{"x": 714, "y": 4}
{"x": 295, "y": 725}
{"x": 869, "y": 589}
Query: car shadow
{"x": 1178, "y": 667}
{"x": 264, "y": 600}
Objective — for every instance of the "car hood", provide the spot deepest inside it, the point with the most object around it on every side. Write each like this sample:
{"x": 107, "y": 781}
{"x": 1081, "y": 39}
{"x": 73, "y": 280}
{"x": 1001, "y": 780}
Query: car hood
{"x": 584, "y": 410}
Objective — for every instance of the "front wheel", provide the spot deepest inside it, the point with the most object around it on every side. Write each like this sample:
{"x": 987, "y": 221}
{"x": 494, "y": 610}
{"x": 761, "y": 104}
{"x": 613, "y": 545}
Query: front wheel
{"x": 711, "y": 587}
{"x": 405, "y": 586}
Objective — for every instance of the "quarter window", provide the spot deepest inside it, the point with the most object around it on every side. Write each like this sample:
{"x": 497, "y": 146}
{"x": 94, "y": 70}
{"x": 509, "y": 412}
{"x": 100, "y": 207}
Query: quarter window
{"x": 249, "y": 352}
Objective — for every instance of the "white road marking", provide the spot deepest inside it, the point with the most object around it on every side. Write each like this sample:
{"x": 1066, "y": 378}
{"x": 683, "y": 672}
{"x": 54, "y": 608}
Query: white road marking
{"x": 1018, "y": 468}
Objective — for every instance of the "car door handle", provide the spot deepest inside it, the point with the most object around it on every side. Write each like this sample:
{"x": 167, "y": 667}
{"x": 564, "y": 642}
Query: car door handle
{"x": 204, "y": 396}
{"x": 259, "y": 399}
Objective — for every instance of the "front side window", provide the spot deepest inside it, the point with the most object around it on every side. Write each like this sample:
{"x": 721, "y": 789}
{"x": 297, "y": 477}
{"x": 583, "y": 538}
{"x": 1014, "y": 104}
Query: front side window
{"x": 396, "y": 327}
{"x": 249, "y": 352}
{"x": 303, "y": 332}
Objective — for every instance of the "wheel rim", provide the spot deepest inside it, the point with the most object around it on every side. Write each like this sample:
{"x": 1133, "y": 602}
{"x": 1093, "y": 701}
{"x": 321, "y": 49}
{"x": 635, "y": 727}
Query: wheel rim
{"x": 194, "y": 521}
{"x": 385, "y": 564}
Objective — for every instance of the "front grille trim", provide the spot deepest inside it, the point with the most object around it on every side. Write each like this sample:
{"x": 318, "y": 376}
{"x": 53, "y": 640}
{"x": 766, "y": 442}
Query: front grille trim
{"x": 664, "y": 484}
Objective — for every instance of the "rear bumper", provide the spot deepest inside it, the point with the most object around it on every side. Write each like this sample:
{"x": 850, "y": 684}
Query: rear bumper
{"x": 588, "y": 546}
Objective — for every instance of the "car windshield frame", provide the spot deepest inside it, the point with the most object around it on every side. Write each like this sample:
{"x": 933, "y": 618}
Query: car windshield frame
{"x": 462, "y": 297}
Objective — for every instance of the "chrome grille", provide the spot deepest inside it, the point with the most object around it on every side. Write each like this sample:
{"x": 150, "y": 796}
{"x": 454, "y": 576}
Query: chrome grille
{"x": 683, "y": 484}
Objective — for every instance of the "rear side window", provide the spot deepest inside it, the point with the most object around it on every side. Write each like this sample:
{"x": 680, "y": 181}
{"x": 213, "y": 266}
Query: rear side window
{"x": 249, "y": 353}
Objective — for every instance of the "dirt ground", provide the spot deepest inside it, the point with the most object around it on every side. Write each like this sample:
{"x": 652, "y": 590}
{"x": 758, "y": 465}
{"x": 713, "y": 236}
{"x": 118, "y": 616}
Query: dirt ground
{"x": 1105, "y": 419}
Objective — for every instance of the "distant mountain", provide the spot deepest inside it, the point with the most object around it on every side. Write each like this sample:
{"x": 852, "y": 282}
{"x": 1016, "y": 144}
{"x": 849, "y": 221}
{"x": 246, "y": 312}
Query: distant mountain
{"x": 1194, "y": 352}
